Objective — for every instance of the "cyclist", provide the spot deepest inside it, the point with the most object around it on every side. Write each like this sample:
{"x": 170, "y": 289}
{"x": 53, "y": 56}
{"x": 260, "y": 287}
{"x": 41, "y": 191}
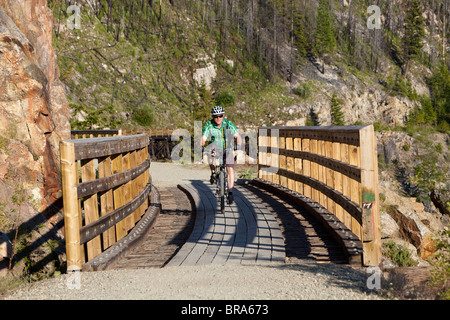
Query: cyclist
{"x": 221, "y": 132}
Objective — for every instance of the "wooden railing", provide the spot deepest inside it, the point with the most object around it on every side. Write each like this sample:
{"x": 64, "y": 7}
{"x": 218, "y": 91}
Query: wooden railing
{"x": 82, "y": 134}
{"x": 106, "y": 187}
{"x": 150, "y": 132}
{"x": 335, "y": 167}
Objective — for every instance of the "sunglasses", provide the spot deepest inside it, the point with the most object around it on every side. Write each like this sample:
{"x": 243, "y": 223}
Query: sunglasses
{"x": 218, "y": 116}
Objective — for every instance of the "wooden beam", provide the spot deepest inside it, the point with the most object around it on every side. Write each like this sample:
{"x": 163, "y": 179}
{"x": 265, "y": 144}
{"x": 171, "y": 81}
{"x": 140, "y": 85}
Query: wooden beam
{"x": 72, "y": 212}
{"x": 370, "y": 197}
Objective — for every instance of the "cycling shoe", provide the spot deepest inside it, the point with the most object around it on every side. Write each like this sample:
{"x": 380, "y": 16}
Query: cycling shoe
{"x": 230, "y": 198}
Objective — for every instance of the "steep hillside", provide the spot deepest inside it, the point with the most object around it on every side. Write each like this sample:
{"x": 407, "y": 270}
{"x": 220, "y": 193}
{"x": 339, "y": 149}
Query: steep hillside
{"x": 141, "y": 63}
{"x": 167, "y": 78}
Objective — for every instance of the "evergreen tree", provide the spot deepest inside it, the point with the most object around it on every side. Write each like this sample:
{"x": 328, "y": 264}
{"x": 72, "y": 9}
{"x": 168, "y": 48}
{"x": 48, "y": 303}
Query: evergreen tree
{"x": 414, "y": 32}
{"x": 324, "y": 37}
{"x": 300, "y": 40}
{"x": 440, "y": 94}
{"x": 337, "y": 117}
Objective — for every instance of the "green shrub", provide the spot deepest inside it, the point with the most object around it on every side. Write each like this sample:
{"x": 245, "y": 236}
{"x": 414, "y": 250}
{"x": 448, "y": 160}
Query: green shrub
{"x": 247, "y": 174}
{"x": 303, "y": 90}
{"x": 144, "y": 115}
{"x": 399, "y": 254}
{"x": 224, "y": 99}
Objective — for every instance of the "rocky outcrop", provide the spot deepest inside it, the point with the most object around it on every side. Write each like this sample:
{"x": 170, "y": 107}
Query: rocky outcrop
{"x": 362, "y": 101}
{"x": 33, "y": 108}
{"x": 205, "y": 76}
{"x": 34, "y": 114}
{"x": 403, "y": 219}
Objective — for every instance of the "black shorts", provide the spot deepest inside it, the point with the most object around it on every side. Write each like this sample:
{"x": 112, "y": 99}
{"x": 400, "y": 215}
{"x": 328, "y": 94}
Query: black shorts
{"x": 227, "y": 157}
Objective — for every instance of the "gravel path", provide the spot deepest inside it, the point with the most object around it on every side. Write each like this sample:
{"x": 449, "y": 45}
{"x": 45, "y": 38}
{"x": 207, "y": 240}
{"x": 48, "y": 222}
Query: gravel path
{"x": 165, "y": 174}
{"x": 303, "y": 280}
{"x": 287, "y": 282}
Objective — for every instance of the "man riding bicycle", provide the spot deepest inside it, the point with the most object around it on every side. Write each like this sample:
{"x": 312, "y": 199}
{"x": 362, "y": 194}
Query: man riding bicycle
{"x": 221, "y": 132}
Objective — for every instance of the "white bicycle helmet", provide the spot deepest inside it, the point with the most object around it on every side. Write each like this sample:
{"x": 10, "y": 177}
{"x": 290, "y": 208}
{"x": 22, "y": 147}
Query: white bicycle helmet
{"x": 217, "y": 110}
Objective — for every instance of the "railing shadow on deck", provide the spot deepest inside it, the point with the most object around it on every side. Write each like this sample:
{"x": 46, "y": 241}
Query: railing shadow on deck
{"x": 291, "y": 223}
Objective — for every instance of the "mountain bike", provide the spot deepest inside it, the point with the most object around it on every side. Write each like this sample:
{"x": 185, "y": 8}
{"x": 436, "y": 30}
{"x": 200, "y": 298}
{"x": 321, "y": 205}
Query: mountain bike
{"x": 221, "y": 177}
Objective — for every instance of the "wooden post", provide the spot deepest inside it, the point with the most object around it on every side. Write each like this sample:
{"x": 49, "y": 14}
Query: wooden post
{"x": 274, "y": 157}
{"x": 147, "y": 179}
{"x": 135, "y": 188}
{"x": 94, "y": 247}
{"x": 298, "y": 164}
{"x": 119, "y": 196}
{"x": 290, "y": 162}
{"x": 127, "y": 191}
{"x": 330, "y": 177}
{"x": 345, "y": 157}
{"x": 306, "y": 168}
{"x": 142, "y": 155}
{"x": 322, "y": 175}
{"x": 262, "y": 155}
{"x": 72, "y": 215}
{"x": 106, "y": 202}
{"x": 314, "y": 170}
{"x": 336, "y": 150}
{"x": 282, "y": 160}
{"x": 354, "y": 156}
{"x": 369, "y": 200}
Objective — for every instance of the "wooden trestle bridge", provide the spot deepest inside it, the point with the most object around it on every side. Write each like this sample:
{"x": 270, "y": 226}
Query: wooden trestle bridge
{"x": 316, "y": 197}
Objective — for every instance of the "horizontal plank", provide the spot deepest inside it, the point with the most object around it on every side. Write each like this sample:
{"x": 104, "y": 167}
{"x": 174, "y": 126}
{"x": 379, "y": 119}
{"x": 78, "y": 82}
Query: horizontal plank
{"x": 345, "y": 202}
{"x": 106, "y": 146}
{"x": 347, "y": 134}
{"x": 113, "y": 131}
{"x": 349, "y": 170}
{"x": 319, "y": 128}
{"x": 103, "y": 184}
{"x": 93, "y": 229}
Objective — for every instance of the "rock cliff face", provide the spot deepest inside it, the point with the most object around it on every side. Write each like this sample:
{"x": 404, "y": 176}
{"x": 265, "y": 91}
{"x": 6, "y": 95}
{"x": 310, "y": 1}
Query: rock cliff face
{"x": 34, "y": 113}
{"x": 364, "y": 102}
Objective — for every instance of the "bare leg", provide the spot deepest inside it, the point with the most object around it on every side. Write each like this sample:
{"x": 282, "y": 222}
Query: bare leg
{"x": 230, "y": 180}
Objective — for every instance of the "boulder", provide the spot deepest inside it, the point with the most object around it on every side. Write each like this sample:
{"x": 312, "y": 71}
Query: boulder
{"x": 413, "y": 229}
{"x": 403, "y": 217}
{"x": 389, "y": 228}
{"x": 427, "y": 247}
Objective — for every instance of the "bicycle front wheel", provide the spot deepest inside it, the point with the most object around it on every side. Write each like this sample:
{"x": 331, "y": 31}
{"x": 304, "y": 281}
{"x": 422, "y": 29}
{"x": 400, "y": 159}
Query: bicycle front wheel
{"x": 222, "y": 204}
{"x": 222, "y": 190}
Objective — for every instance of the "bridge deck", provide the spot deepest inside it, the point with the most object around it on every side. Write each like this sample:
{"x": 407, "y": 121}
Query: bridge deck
{"x": 259, "y": 227}
{"x": 246, "y": 233}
